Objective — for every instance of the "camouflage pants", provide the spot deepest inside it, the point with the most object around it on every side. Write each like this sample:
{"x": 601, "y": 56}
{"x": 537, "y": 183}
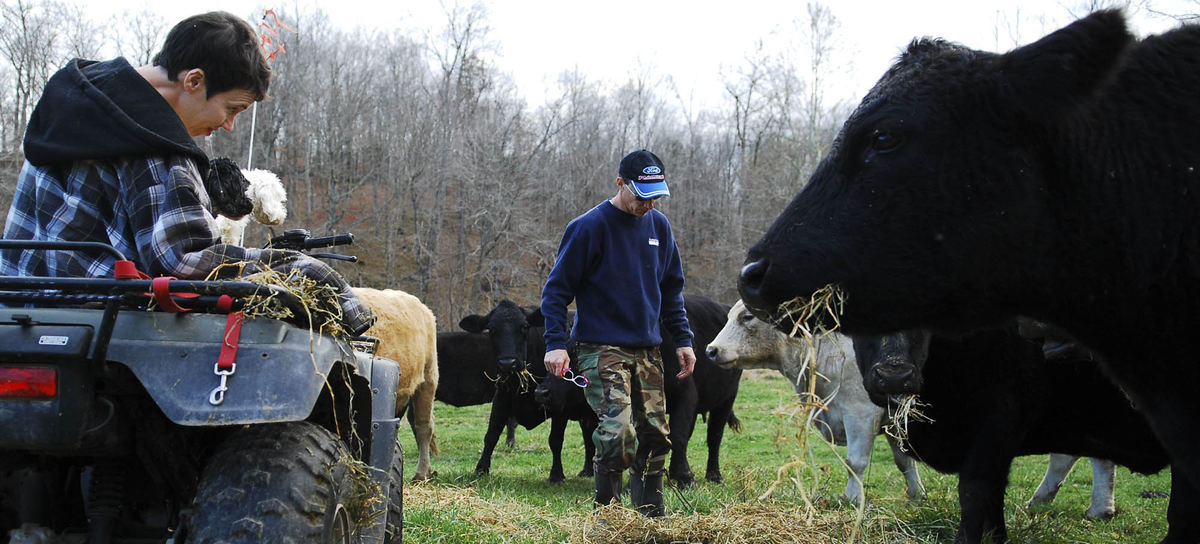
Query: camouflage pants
{"x": 626, "y": 392}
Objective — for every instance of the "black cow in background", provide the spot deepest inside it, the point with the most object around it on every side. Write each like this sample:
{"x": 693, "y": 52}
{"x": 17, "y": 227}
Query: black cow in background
{"x": 1059, "y": 181}
{"x": 469, "y": 363}
{"x": 992, "y": 397}
{"x": 710, "y": 391}
{"x": 514, "y": 334}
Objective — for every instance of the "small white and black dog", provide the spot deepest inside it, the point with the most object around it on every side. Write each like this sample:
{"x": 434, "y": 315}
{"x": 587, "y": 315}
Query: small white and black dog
{"x": 238, "y": 194}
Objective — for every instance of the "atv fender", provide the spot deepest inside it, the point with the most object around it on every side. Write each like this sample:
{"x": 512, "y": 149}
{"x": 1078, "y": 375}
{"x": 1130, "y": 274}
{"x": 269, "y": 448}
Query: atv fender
{"x": 279, "y": 371}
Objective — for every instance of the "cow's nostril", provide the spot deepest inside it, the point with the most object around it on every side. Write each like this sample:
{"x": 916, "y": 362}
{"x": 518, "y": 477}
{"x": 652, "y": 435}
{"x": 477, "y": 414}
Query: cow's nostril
{"x": 711, "y": 352}
{"x": 751, "y": 277}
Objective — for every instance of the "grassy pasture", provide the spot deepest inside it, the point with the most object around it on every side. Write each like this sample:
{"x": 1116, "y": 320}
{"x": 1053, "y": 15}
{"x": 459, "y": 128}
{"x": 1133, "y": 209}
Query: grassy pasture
{"x": 515, "y": 503}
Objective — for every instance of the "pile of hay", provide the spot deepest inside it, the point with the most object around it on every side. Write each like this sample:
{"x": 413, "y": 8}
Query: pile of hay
{"x": 763, "y": 522}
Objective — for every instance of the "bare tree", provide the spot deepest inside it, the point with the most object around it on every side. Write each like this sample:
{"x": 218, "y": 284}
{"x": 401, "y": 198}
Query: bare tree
{"x": 140, "y": 35}
{"x": 29, "y": 41}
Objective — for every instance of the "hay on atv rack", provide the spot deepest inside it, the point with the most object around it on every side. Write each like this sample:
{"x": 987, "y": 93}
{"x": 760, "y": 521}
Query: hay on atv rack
{"x": 320, "y": 301}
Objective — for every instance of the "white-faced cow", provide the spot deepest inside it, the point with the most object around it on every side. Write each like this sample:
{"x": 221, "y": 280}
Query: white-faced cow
{"x": 515, "y": 334}
{"x": 1059, "y": 181}
{"x": 991, "y": 396}
{"x": 850, "y": 420}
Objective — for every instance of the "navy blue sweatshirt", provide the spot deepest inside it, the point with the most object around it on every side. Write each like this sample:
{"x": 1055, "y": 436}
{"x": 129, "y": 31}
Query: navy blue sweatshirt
{"x": 624, "y": 274}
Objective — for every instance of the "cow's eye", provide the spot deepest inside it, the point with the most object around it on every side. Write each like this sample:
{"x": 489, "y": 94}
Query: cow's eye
{"x": 747, "y": 317}
{"x": 885, "y": 140}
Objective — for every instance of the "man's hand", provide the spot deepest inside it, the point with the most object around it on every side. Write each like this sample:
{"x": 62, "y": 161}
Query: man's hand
{"x": 687, "y": 361}
{"x": 557, "y": 362}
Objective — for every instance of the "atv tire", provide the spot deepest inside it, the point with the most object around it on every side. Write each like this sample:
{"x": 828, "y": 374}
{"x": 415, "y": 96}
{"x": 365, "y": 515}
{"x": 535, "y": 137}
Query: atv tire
{"x": 283, "y": 482}
{"x": 395, "y": 511}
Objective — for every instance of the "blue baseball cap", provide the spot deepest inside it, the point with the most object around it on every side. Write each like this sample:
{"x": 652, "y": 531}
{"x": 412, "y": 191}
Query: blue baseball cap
{"x": 646, "y": 174}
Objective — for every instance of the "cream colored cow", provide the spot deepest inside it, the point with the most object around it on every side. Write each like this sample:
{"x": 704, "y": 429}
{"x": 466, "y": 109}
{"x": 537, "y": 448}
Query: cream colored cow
{"x": 407, "y": 334}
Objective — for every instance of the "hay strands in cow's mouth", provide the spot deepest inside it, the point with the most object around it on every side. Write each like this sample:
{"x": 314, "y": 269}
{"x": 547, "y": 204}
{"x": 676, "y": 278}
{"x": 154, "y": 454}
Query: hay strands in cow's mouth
{"x": 800, "y": 317}
{"x": 908, "y": 408}
{"x": 525, "y": 379}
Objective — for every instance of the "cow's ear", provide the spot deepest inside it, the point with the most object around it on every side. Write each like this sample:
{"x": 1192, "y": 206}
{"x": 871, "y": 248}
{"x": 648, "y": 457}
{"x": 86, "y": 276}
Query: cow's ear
{"x": 535, "y": 318}
{"x": 473, "y": 323}
{"x": 1068, "y": 67}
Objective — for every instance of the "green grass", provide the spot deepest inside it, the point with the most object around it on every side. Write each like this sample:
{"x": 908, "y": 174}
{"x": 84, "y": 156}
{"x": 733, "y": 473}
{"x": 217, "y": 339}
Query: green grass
{"x": 515, "y": 503}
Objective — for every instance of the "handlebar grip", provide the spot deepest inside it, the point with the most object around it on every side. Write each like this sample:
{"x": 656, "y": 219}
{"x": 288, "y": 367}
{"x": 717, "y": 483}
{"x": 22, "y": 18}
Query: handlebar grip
{"x": 327, "y": 241}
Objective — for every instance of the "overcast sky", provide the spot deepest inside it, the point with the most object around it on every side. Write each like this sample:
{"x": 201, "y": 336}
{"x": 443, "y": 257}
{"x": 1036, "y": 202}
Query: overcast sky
{"x": 696, "y": 42}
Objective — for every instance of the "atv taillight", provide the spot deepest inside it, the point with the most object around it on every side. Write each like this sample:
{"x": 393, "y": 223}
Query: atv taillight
{"x": 28, "y": 382}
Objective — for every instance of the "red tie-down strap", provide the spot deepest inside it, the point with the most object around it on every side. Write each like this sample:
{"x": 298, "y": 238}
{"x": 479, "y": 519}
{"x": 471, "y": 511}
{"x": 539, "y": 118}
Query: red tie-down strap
{"x": 161, "y": 287}
{"x": 126, "y": 270}
{"x": 229, "y": 347}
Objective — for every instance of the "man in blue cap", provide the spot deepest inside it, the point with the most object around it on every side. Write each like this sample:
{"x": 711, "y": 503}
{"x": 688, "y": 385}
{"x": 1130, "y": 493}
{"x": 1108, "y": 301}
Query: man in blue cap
{"x": 620, "y": 265}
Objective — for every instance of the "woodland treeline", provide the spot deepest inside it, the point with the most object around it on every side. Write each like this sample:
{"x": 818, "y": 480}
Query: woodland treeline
{"x": 456, "y": 188}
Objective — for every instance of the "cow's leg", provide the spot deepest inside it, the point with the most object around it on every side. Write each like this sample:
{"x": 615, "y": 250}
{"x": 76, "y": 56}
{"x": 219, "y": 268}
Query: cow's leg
{"x": 860, "y": 435}
{"x": 501, "y": 410}
{"x": 913, "y": 488}
{"x": 981, "y": 496}
{"x": 681, "y": 434}
{"x": 1104, "y": 474}
{"x": 683, "y": 423}
{"x": 1057, "y": 469}
{"x": 588, "y": 426}
{"x": 422, "y": 425}
{"x": 1183, "y": 512}
{"x": 718, "y": 418}
{"x": 558, "y": 427}
{"x": 510, "y": 436}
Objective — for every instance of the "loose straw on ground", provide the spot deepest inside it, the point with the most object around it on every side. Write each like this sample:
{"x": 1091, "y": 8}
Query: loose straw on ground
{"x": 766, "y": 522}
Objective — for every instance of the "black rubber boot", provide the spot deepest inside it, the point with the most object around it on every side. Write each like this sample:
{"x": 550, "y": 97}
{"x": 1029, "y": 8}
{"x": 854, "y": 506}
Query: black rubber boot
{"x": 636, "y": 486}
{"x": 651, "y": 503}
{"x": 608, "y": 487}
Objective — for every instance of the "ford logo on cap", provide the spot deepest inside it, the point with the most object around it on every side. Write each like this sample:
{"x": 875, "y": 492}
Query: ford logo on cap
{"x": 651, "y": 170}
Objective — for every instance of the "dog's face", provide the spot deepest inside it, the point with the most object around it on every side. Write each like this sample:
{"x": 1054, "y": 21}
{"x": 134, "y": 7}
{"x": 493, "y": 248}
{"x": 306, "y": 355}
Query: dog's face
{"x": 228, "y": 188}
{"x": 268, "y": 195}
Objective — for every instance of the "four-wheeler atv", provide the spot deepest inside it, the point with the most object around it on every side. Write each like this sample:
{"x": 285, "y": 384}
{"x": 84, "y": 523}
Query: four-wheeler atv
{"x": 120, "y": 422}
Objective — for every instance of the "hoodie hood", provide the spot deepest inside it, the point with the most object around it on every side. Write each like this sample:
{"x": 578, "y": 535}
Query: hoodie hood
{"x": 93, "y": 110}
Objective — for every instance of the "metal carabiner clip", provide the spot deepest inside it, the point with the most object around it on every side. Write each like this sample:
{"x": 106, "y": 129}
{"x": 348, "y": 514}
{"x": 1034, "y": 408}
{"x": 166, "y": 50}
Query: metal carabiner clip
{"x": 217, "y": 396}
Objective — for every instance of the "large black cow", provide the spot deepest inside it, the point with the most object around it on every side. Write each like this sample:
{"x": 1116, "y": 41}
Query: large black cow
{"x": 992, "y": 397}
{"x": 710, "y": 391}
{"x": 515, "y": 337}
{"x": 1060, "y": 181}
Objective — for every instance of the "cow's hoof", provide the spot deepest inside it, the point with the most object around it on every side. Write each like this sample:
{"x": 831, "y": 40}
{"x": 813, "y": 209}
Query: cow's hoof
{"x": 556, "y": 480}
{"x": 684, "y": 482}
{"x": 424, "y": 477}
{"x": 482, "y": 471}
{"x": 714, "y": 478}
{"x": 587, "y": 473}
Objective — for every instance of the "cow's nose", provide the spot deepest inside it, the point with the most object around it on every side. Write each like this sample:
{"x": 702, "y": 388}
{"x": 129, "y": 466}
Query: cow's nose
{"x": 750, "y": 279}
{"x": 894, "y": 379}
{"x": 711, "y": 352}
{"x": 509, "y": 364}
